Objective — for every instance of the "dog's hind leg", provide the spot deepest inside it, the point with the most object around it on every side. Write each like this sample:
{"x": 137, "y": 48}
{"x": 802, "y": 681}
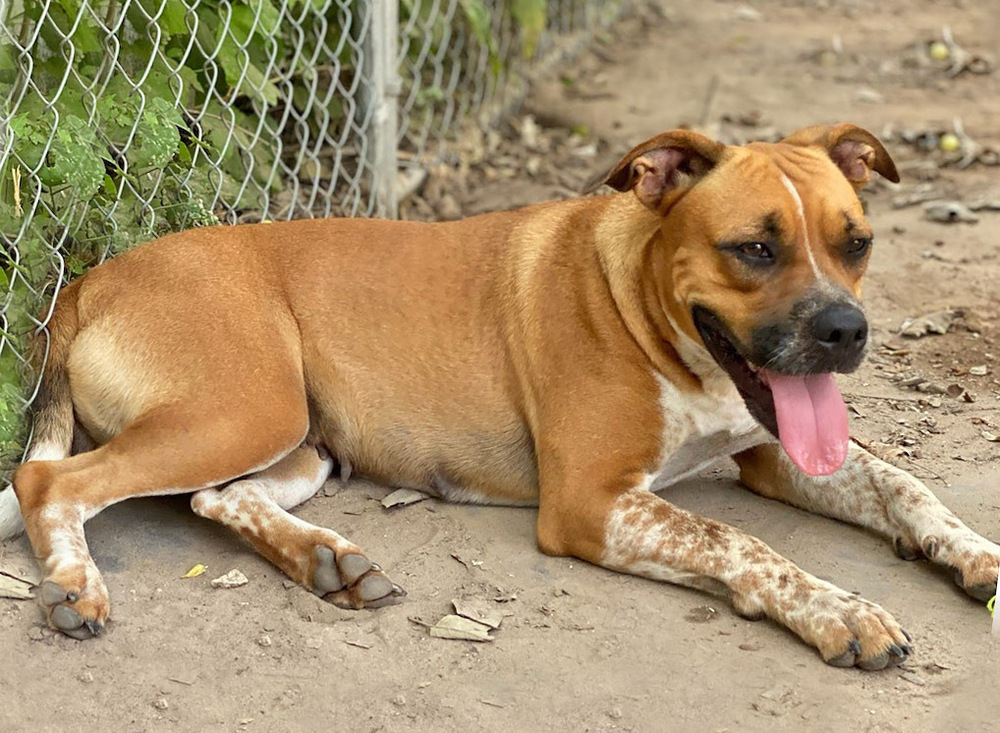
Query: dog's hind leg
{"x": 319, "y": 559}
{"x": 173, "y": 449}
{"x": 873, "y": 494}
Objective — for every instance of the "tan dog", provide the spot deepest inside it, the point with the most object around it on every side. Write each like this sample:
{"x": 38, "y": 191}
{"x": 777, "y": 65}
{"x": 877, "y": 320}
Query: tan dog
{"x": 575, "y": 355}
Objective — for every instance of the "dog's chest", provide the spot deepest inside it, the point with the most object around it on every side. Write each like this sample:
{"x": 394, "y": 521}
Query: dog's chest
{"x": 700, "y": 429}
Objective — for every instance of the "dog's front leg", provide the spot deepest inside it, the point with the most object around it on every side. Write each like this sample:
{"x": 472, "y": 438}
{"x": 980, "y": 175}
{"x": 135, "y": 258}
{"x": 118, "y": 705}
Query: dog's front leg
{"x": 874, "y": 494}
{"x": 617, "y": 523}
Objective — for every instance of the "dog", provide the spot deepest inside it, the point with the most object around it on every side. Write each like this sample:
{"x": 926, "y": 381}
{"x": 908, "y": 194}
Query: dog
{"x": 577, "y": 355}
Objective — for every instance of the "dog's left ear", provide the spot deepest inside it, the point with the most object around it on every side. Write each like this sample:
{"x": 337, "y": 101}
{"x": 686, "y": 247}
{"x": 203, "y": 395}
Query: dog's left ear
{"x": 668, "y": 162}
{"x": 855, "y": 151}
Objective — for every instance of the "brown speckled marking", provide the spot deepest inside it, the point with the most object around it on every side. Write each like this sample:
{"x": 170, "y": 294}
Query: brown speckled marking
{"x": 647, "y": 536}
{"x": 878, "y": 496}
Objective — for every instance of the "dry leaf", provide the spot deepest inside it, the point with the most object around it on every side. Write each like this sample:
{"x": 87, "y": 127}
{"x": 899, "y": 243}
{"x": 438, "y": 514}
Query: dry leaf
{"x": 403, "y": 497}
{"x": 195, "y": 571}
{"x": 932, "y": 323}
{"x": 13, "y": 587}
{"x": 478, "y": 610}
{"x": 456, "y": 627}
{"x": 233, "y": 579}
{"x": 949, "y": 212}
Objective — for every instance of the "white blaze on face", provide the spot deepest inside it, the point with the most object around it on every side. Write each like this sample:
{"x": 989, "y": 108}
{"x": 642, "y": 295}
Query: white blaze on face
{"x": 800, "y": 210}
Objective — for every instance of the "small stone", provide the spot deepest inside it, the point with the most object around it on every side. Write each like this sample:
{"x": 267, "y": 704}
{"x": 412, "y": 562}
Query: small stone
{"x": 751, "y": 646}
{"x": 86, "y": 677}
{"x": 161, "y": 704}
{"x": 265, "y": 640}
{"x": 978, "y": 371}
{"x": 615, "y": 713}
{"x": 399, "y": 700}
{"x": 35, "y": 633}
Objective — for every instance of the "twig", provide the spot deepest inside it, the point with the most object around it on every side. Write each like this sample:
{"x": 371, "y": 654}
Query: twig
{"x": 706, "y": 110}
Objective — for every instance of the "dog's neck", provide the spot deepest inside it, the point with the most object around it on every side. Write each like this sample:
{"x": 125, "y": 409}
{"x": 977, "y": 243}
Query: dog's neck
{"x": 627, "y": 237}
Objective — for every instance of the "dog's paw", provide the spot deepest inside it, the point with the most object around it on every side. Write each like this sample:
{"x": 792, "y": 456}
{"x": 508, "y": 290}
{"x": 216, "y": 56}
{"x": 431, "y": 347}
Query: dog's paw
{"x": 351, "y": 580}
{"x": 77, "y": 607}
{"x": 974, "y": 560}
{"x": 849, "y": 631}
{"x": 976, "y": 570}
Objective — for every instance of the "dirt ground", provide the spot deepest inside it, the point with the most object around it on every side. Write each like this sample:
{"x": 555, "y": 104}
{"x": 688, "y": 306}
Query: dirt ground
{"x": 581, "y": 648}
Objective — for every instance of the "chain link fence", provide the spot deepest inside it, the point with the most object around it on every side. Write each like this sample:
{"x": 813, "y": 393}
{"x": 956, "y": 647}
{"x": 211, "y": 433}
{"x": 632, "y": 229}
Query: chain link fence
{"x": 122, "y": 120}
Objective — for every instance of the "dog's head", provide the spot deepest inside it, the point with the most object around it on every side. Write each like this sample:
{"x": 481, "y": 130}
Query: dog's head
{"x": 763, "y": 248}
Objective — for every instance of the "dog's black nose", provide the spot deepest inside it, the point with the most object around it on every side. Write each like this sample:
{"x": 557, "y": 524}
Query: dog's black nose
{"x": 842, "y": 331}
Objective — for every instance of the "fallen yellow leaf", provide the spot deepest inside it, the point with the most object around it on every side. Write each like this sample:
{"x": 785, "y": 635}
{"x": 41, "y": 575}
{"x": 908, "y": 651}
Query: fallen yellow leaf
{"x": 195, "y": 571}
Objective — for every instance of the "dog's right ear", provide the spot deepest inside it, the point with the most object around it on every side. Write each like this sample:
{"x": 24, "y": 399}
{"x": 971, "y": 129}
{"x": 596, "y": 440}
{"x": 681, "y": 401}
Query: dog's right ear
{"x": 665, "y": 163}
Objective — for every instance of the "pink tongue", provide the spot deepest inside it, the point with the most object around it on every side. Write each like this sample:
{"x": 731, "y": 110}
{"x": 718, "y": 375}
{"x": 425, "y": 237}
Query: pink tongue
{"x": 812, "y": 421}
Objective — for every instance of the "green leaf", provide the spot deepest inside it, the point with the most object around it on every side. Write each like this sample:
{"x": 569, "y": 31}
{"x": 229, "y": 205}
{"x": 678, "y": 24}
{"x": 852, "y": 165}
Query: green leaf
{"x": 75, "y": 158}
{"x": 259, "y": 85}
{"x": 532, "y": 17}
{"x": 157, "y": 138}
{"x": 173, "y": 19}
{"x": 478, "y": 17}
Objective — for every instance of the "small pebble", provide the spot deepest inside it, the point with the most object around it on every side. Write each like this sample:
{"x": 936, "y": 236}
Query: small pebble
{"x": 161, "y": 704}
{"x": 86, "y": 677}
{"x": 265, "y": 640}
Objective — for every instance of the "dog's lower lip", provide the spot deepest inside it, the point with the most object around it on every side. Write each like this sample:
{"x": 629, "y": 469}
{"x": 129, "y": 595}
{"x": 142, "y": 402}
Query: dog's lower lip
{"x": 749, "y": 379}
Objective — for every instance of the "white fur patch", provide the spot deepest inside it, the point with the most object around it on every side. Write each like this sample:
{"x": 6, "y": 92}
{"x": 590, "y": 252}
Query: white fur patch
{"x": 11, "y": 523}
{"x": 805, "y": 229}
{"x": 700, "y": 429}
{"x": 46, "y": 451}
{"x": 290, "y": 493}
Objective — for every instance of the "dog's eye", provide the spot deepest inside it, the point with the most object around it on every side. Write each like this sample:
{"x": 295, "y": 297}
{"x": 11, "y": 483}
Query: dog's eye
{"x": 755, "y": 251}
{"x": 858, "y": 246}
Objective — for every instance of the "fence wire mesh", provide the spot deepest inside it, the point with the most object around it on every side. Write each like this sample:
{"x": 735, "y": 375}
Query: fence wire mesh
{"x": 122, "y": 120}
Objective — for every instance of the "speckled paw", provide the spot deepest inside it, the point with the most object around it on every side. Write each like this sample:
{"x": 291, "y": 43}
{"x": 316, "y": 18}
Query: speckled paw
{"x": 352, "y": 580}
{"x": 77, "y": 613}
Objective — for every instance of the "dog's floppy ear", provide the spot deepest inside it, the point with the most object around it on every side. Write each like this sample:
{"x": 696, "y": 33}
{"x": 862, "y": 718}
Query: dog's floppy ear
{"x": 855, "y": 151}
{"x": 662, "y": 164}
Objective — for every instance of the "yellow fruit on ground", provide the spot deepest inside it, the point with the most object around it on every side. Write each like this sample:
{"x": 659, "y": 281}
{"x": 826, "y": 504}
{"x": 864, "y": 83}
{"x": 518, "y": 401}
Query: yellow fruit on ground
{"x": 950, "y": 143}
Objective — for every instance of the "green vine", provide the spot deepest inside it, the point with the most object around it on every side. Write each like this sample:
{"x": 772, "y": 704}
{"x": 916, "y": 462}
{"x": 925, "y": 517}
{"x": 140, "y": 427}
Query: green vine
{"x": 122, "y": 120}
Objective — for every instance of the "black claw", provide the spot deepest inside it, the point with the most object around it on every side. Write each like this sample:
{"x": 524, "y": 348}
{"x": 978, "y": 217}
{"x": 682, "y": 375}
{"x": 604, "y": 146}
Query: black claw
{"x": 908, "y": 637}
{"x": 72, "y": 597}
{"x": 854, "y": 646}
{"x": 95, "y": 627}
{"x": 896, "y": 651}
{"x": 907, "y": 649}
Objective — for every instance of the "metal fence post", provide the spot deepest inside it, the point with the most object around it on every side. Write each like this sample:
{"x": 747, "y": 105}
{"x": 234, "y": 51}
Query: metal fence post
{"x": 381, "y": 53}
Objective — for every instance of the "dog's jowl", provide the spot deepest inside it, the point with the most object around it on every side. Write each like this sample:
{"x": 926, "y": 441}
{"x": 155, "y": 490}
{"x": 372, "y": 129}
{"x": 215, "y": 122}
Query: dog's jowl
{"x": 578, "y": 355}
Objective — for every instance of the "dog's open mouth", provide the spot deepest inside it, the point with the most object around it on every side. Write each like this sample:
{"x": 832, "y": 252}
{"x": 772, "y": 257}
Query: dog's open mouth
{"x": 805, "y": 412}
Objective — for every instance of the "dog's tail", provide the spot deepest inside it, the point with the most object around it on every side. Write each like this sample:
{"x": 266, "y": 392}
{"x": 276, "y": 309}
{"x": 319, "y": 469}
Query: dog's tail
{"x": 52, "y": 409}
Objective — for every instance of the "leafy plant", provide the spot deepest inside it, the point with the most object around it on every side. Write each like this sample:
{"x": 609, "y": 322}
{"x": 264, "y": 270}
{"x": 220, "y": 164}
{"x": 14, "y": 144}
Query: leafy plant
{"x": 125, "y": 121}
